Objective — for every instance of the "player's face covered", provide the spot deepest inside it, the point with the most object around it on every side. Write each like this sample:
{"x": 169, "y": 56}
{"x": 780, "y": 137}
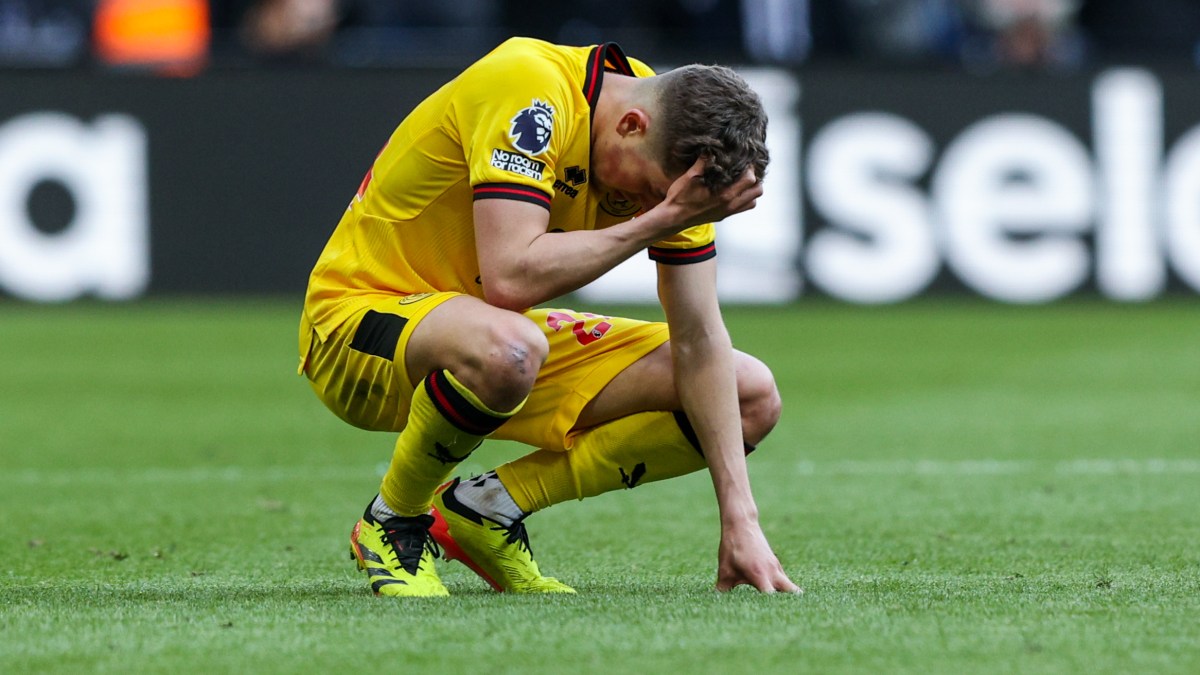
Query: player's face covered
{"x": 628, "y": 173}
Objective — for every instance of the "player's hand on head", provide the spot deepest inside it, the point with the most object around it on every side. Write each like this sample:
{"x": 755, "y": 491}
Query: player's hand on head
{"x": 745, "y": 558}
{"x": 696, "y": 204}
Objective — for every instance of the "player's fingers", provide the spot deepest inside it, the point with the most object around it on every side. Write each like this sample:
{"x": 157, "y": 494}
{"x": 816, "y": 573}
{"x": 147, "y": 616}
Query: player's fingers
{"x": 767, "y": 584}
{"x": 747, "y": 176}
{"x": 761, "y": 579}
{"x": 745, "y": 183}
{"x": 743, "y": 207}
{"x": 783, "y": 583}
{"x": 771, "y": 582}
{"x": 689, "y": 178}
{"x": 750, "y": 178}
{"x": 730, "y": 582}
{"x": 748, "y": 193}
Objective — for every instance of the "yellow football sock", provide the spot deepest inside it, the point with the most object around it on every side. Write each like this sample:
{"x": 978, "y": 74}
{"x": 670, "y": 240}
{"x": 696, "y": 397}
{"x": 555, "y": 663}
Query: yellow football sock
{"x": 446, "y": 422}
{"x": 624, "y": 453}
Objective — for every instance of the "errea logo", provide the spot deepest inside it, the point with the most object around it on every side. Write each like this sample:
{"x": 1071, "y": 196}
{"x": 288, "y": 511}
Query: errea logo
{"x": 574, "y": 177}
{"x": 576, "y": 174}
{"x": 530, "y": 128}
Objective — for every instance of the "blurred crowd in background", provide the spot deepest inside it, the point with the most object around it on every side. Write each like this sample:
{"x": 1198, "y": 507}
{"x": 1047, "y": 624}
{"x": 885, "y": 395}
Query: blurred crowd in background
{"x": 185, "y": 37}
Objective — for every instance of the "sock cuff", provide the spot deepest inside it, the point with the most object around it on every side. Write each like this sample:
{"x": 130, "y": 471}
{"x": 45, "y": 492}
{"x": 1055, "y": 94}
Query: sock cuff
{"x": 539, "y": 480}
{"x": 461, "y": 407}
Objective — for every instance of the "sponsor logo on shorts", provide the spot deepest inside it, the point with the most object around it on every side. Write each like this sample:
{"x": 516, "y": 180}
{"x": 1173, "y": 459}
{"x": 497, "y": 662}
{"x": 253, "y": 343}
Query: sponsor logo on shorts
{"x": 515, "y": 162}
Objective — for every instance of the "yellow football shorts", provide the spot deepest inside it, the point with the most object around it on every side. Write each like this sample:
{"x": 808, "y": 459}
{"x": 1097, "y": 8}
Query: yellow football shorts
{"x": 359, "y": 372}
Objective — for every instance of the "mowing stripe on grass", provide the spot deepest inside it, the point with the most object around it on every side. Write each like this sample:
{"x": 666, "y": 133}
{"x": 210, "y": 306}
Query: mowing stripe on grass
{"x": 983, "y": 467}
{"x": 897, "y": 467}
{"x": 274, "y": 474}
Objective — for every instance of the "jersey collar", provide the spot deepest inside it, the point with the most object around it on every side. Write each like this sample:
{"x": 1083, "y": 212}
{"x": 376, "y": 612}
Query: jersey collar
{"x": 606, "y": 56}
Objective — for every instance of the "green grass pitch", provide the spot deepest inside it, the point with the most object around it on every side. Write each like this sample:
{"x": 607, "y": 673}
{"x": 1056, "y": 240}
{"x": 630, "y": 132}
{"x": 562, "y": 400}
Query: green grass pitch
{"x": 959, "y": 486}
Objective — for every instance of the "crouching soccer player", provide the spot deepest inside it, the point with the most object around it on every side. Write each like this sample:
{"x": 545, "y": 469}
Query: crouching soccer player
{"x": 532, "y": 173}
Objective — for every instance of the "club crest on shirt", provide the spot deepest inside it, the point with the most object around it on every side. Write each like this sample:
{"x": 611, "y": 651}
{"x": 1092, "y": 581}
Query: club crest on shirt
{"x": 618, "y": 206}
{"x": 531, "y": 127}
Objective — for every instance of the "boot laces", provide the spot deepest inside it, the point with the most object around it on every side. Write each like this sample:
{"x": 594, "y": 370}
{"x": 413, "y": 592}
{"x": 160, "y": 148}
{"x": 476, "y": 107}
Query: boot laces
{"x": 408, "y": 538}
{"x": 516, "y": 534}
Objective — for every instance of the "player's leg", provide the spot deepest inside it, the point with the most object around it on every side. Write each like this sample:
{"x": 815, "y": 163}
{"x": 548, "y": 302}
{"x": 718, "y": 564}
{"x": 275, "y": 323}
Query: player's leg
{"x": 472, "y": 366}
{"x": 602, "y": 373}
{"x": 649, "y": 384}
{"x": 485, "y": 528}
{"x": 444, "y": 370}
{"x": 634, "y": 432}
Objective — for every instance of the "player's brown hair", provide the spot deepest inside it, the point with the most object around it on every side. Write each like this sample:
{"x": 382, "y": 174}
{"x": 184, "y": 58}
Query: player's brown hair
{"x": 711, "y": 112}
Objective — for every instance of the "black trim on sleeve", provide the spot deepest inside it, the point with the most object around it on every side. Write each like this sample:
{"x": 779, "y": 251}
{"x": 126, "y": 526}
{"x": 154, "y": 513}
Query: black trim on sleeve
{"x": 515, "y": 191}
{"x": 682, "y": 256}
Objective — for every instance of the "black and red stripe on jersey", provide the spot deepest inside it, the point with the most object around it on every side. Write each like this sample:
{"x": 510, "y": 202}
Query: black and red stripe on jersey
{"x": 682, "y": 256}
{"x": 516, "y": 191}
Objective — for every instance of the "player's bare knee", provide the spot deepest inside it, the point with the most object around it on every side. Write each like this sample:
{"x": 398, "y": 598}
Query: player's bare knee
{"x": 516, "y": 351}
{"x": 758, "y": 398}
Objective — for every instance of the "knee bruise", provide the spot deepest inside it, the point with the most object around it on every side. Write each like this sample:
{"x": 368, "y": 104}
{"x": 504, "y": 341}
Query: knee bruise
{"x": 514, "y": 359}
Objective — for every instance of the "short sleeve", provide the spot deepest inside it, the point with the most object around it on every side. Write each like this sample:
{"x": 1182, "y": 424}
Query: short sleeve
{"x": 512, "y": 119}
{"x": 693, "y": 245}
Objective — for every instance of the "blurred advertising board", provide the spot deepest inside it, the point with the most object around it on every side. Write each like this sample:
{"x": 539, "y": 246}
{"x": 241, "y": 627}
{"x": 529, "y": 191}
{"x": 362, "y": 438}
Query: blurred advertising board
{"x": 884, "y": 185}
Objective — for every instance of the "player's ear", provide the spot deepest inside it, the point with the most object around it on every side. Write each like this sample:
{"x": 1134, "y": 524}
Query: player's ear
{"x": 634, "y": 121}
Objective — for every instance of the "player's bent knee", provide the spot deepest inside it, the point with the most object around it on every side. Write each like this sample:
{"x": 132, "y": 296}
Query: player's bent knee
{"x": 516, "y": 350}
{"x": 759, "y": 399}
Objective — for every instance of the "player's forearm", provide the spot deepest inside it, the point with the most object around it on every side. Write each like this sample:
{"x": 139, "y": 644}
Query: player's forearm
{"x": 708, "y": 390}
{"x": 556, "y": 263}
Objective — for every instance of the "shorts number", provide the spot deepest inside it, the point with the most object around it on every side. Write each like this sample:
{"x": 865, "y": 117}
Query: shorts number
{"x": 560, "y": 320}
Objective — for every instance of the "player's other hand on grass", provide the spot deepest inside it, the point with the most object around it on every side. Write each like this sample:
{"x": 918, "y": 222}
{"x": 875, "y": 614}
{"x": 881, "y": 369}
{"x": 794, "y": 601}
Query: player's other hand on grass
{"x": 745, "y": 557}
{"x": 691, "y": 203}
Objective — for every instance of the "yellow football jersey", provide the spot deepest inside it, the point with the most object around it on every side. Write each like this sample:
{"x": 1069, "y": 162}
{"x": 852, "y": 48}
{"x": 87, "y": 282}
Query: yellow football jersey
{"x": 514, "y": 125}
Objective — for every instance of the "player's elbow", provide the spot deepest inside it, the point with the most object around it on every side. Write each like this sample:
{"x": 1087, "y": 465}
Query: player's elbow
{"x": 508, "y": 294}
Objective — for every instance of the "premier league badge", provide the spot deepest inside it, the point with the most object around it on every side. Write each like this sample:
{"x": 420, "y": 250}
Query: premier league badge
{"x": 530, "y": 130}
